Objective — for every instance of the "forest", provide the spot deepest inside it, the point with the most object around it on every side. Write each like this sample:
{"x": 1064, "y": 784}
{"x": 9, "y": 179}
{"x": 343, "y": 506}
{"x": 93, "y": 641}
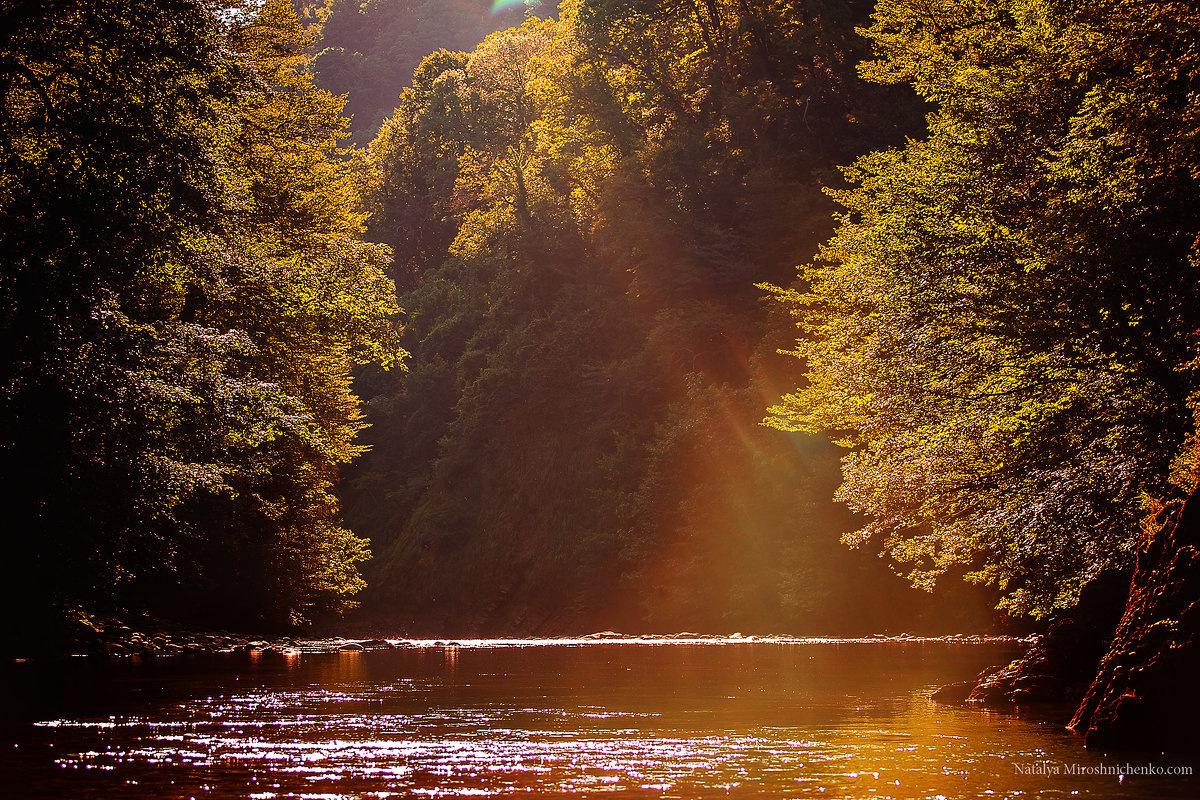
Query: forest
{"x": 453, "y": 319}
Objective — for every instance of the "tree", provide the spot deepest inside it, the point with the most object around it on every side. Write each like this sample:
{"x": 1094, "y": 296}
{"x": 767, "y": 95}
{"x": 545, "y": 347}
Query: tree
{"x": 1002, "y": 328}
{"x": 313, "y": 302}
{"x": 106, "y": 170}
{"x": 369, "y": 50}
{"x": 180, "y": 312}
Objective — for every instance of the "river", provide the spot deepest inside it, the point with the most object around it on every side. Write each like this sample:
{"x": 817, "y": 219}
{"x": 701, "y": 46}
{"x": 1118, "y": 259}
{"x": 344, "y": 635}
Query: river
{"x": 602, "y": 719}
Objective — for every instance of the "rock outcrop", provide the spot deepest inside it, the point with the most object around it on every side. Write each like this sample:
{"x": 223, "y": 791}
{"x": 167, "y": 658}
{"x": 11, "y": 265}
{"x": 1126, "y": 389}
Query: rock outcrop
{"x": 1146, "y": 693}
{"x": 1128, "y": 654}
{"x": 1060, "y": 666}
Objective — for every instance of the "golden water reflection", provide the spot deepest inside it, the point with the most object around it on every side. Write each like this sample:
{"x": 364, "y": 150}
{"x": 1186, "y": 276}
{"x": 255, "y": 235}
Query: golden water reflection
{"x": 672, "y": 722}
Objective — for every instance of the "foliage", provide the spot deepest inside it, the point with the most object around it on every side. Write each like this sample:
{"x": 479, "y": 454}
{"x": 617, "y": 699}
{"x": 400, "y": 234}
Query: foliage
{"x": 577, "y": 231}
{"x": 1003, "y": 327}
{"x": 368, "y": 50}
{"x": 184, "y": 295}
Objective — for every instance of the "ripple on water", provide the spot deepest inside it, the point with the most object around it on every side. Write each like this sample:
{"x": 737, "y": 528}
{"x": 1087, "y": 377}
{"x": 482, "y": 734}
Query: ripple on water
{"x": 458, "y": 748}
{"x": 756, "y": 721}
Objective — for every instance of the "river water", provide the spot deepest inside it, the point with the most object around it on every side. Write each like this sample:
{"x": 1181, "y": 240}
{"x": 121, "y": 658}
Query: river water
{"x": 678, "y": 720}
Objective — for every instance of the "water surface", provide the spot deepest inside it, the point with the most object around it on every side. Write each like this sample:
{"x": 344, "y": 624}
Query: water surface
{"x": 691, "y": 720}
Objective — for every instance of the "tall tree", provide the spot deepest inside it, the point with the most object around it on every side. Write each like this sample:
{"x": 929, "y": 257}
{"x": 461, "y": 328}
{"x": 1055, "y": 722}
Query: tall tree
{"x": 1003, "y": 327}
{"x": 147, "y": 233}
{"x": 313, "y": 302}
{"x": 106, "y": 132}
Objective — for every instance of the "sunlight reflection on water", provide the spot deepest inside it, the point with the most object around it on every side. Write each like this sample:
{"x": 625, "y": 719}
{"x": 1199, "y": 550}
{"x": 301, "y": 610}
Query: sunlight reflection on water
{"x": 756, "y": 720}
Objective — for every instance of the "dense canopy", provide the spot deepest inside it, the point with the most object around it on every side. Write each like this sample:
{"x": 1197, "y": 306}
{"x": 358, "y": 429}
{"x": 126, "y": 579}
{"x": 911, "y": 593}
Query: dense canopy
{"x": 579, "y": 211}
{"x": 1004, "y": 326}
{"x": 184, "y": 293}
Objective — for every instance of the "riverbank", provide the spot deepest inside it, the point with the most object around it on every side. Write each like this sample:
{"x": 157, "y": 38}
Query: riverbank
{"x": 117, "y": 640}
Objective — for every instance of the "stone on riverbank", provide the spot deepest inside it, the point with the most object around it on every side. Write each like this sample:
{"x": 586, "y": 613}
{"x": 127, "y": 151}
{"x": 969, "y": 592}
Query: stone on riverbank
{"x": 1062, "y": 662}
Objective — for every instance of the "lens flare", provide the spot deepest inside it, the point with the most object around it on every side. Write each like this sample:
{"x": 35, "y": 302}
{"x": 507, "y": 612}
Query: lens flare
{"x": 503, "y": 5}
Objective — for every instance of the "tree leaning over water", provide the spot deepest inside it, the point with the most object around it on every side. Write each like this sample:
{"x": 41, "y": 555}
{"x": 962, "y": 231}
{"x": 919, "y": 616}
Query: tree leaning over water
{"x": 183, "y": 296}
{"x": 1004, "y": 328}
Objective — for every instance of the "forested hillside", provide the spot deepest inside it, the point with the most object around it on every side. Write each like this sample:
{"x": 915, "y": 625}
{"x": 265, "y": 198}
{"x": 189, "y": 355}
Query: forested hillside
{"x": 580, "y": 210}
{"x": 367, "y": 51}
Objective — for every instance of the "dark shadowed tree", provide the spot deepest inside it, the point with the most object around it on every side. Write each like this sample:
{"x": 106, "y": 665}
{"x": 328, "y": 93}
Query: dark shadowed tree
{"x": 183, "y": 297}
